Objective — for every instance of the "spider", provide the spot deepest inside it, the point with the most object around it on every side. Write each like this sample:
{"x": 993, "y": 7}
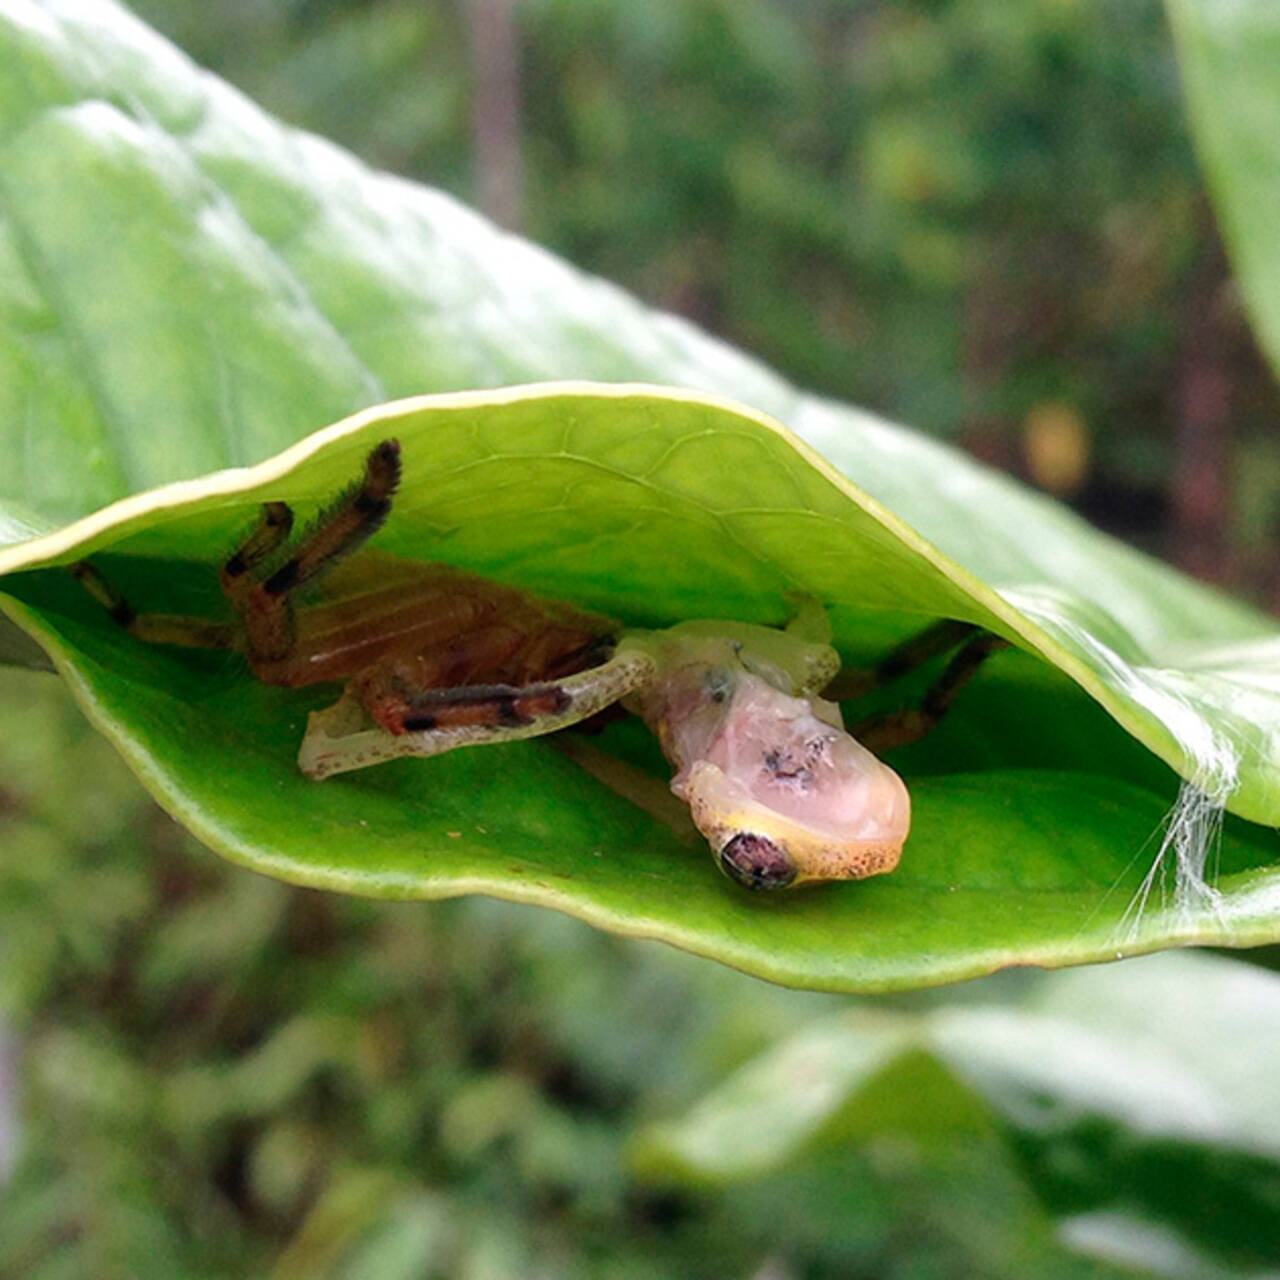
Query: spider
{"x": 434, "y": 658}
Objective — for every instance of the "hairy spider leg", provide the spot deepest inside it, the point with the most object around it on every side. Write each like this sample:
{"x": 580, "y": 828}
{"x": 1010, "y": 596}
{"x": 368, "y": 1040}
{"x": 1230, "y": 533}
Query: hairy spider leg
{"x": 266, "y": 607}
{"x": 268, "y": 533}
{"x": 913, "y": 652}
{"x": 155, "y": 628}
{"x": 897, "y": 728}
{"x": 267, "y": 536}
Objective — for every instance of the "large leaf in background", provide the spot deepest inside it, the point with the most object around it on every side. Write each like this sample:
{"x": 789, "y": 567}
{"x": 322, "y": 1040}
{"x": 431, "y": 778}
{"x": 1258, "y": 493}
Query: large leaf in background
{"x": 1110, "y": 1093}
{"x": 187, "y": 285}
{"x": 1230, "y": 58}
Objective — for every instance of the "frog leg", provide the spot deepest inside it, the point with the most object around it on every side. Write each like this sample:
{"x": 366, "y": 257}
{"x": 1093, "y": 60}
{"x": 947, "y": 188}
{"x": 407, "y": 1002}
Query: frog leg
{"x": 897, "y": 728}
{"x": 355, "y": 731}
{"x": 810, "y": 622}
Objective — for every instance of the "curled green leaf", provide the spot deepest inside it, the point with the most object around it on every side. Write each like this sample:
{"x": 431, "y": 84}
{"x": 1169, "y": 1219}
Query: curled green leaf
{"x": 1036, "y": 815}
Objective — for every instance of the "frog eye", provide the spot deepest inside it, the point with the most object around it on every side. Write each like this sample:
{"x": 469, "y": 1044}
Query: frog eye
{"x": 756, "y": 862}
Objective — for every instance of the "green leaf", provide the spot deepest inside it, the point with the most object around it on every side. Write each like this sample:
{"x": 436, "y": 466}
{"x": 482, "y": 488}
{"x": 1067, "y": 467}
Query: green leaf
{"x": 1125, "y": 1095}
{"x": 190, "y": 285}
{"x": 1022, "y": 850}
{"x": 1230, "y": 59}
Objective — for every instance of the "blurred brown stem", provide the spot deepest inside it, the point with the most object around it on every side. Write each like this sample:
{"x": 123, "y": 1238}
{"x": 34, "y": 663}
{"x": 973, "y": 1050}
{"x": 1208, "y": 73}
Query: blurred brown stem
{"x": 1203, "y": 446}
{"x": 495, "y": 111}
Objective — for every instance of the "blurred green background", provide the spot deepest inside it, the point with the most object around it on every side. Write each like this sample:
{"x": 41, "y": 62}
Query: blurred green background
{"x": 982, "y": 219}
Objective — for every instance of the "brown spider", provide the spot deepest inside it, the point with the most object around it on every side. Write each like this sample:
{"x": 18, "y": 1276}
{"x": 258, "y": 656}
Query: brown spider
{"x": 435, "y": 658}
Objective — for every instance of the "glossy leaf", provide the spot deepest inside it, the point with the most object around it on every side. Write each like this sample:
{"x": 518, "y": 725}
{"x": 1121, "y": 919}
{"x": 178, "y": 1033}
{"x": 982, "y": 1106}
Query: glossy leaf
{"x": 190, "y": 285}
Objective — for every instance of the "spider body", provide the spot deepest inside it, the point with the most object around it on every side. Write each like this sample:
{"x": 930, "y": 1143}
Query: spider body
{"x": 396, "y": 629}
{"x": 396, "y": 632}
{"x": 434, "y": 658}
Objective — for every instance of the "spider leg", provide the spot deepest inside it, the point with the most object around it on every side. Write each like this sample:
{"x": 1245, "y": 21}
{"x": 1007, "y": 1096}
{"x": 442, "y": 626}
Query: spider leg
{"x": 273, "y": 528}
{"x": 157, "y": 628}
{"x": 265, "y": 606}
{"x": 913, "y": 652}
{"x": 428, "y": 723}
{"x": 486, "y": 706}
{"x": 897, "y": 728}
{"x": 500, "y": 710}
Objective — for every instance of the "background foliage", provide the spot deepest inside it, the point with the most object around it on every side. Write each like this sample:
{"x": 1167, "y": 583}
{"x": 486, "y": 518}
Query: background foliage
{"x": 222, "y": 1074}
{"x": 983, "y": 221}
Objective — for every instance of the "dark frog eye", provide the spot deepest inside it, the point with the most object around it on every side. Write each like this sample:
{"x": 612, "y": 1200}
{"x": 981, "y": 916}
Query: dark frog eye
{"x": 756, "y": 862}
